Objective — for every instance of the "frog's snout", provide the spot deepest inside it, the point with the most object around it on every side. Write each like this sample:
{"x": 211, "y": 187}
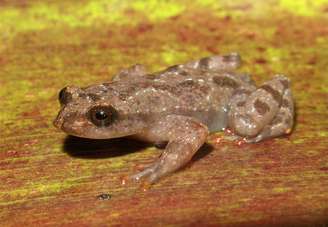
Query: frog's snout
{"x": 58, "y": 122}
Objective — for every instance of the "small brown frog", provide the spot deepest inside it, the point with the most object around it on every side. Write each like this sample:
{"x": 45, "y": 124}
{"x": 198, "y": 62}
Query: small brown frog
{"x": 180, "y": 105}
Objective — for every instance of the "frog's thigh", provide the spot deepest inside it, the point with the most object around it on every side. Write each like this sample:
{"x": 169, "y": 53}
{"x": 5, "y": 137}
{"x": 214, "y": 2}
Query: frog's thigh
{"x": 186, "y": 135}
{"x": 130, "y": 73}
{"x": 283, "y": 121}
{"x": 254, "y": 112}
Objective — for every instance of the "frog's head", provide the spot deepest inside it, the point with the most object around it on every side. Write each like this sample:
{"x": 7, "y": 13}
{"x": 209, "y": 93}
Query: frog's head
{"x": 91, "y": 115}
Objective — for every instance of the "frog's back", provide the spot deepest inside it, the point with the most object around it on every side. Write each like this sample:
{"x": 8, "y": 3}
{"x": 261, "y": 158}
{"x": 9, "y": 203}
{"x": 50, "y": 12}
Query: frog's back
{"x": 194, "y": 89}
{"x": 200, "y": 93}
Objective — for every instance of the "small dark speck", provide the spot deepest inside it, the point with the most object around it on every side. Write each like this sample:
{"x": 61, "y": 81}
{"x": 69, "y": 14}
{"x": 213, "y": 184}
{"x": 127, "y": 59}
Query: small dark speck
{"x": 260, "y": 61}
{"x": 104, "y": 196}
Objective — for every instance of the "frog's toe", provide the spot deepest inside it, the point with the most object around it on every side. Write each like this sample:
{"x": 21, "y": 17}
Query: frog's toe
{"x": 152, "y": 174}
{"x": 155, "y": 176}
{"x": 146, "y": 172}
{"x": 254, "y": 139}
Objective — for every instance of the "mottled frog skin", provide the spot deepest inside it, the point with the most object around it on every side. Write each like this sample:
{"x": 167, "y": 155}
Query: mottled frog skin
{"x": 180, "y": 105}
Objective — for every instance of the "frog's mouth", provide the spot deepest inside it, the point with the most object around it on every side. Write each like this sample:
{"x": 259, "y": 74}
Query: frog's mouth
{"x": 70, "y": 122}
{"x": 65, "y": 119}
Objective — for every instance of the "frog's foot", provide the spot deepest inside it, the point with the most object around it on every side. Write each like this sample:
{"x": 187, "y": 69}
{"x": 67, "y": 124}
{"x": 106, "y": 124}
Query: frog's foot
{"x": 185, "y": 135}
{"x": 146, "y": 172}
{"x": 263, "y": 113}
{"x": 281, "y": 124}
{"x": 131, "y": 73}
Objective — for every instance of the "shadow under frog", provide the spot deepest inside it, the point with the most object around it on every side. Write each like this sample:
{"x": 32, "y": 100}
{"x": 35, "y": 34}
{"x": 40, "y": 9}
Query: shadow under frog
{"x": 109, "y": 148}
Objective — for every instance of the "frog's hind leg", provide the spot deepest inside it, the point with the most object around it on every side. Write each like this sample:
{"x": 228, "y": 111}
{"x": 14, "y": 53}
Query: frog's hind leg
{"x": 217, "y": 63}
{"x": 263, "y": 113}
{"x": 132, "y": 73}
{"x": 282, "y": 123}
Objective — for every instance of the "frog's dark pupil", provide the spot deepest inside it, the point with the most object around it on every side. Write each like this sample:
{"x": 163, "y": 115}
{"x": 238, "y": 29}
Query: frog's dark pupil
{"x": 101, "y": 115}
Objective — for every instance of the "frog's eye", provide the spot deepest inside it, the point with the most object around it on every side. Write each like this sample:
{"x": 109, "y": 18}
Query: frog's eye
{"x": 102, "y": 116}
{"x": 64, "y": 96}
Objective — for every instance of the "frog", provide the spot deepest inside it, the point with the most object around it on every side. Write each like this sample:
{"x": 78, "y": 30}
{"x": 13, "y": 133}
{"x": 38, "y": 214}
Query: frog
{"x": 180, "y": 107}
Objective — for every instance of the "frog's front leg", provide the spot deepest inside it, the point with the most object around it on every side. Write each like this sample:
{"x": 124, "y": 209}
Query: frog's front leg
{"x": 185, "y": 135}
{"x": 262, "y": 113}
{"x": 131, "y": 73}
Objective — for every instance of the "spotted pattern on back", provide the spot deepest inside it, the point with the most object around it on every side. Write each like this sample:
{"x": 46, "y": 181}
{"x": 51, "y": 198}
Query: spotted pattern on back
{"x": 274, "y": 93}
{"x": 277, "y": 120}
{"x": 242, "y": 92}
{"x": 285, "y": 103}
{"x": 261, "y": 107}
{"x": 93, "y": 96}
{"x": 285, "y": 83}
{"x": 224, "y": 81}
{"x": 204, "y": 63}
